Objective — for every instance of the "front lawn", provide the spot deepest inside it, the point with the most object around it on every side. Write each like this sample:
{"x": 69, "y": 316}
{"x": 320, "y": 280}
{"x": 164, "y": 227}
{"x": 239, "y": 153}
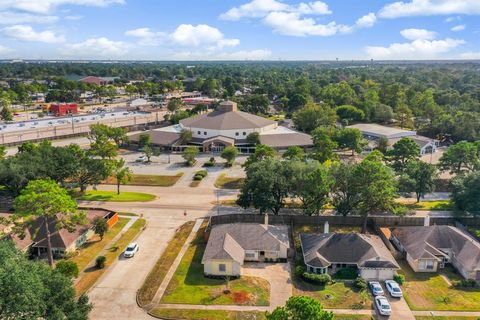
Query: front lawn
{"x": 156, "y": 275}
{"x": 440, "y": 205}
{"x": 445, "y": 318}
{"x": 207, "y": 314}
{"x": 149, "y": 180}
{"x": 100, "y": 195}
{"x": 189, "y": 285}
{"x": 224, "y": 182}
{"x": 91, "y": 275}
{"x": 429, "y": 291}
{"x": 352, "y": 317}
{"x": 92, "y": 248}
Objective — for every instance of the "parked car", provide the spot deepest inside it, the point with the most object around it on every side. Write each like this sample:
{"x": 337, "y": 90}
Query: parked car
{"x": 383, "y": 306}
{"x": 376, "y": 288}
{"x": 131, "y": 250}
{"x": 393, "y": 288}
{"x": 141, "y": 159}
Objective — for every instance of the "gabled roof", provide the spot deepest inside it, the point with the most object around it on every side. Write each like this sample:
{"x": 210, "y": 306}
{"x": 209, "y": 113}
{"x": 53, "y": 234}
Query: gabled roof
{"x": 366, "y": 251}
{"x": 229, "y": 241}
{"x": 432, "y": 242}
{"x": 226, "y": 120}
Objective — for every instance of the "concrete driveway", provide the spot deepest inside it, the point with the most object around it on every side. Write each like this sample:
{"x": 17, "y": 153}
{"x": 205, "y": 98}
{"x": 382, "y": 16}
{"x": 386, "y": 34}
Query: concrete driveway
{"x": 400, "y": 308}
{"x": 279, "y": 277}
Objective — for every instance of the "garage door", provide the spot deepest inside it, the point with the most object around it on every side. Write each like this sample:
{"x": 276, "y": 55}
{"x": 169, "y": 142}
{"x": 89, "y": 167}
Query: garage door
{"x": 376, "y": 274}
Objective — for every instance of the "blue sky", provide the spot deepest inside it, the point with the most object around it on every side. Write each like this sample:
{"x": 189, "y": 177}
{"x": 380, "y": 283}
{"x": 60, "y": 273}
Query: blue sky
{"x": 240, "y": 29}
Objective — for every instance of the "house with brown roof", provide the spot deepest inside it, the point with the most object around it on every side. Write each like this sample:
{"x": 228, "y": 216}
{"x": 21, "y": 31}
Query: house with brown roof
{"x": 230, "y": 245}
{"x": 228, "y": 126}
{"x": 429, "y": 248}
{"x": 327, "y": 253}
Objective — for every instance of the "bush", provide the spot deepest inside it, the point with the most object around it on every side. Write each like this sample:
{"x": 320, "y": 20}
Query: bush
{"x": 347, "y": 273}
{"x": 321, "y": 279}
{"x": 466, "y": 283}
{"x": 360, "y": 283}
{"x": 199, "y": 175}
{"x": 299, "y": 271}
{"x": 100, "y": 262}
{"x": 210, "y": 163}
{"x": 399, "y": 278}
{"x": 67, "y": 268}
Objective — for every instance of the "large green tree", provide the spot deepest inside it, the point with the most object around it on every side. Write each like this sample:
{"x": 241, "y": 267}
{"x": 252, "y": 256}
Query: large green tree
{"x": 403, "y": 151}
{"x": 230, "y": 153}
{"x": 122, "y": 174}
{"x": 466, "y": 193}
{"x": 460, "y": 158}
{"x": 323, "y": 145}
{"x": 300, "y": 308}
{"x": 313, "y": 116}
{"x": 350, "y": 138}
{"x": 419, "y": 177}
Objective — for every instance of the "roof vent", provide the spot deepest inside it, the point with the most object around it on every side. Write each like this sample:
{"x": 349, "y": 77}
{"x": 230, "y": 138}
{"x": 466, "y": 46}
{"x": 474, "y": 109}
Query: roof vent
{"x": 227, "y": 106}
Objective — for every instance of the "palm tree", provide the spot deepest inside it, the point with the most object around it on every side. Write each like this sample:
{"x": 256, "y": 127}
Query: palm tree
{"x": 122, "y": 174}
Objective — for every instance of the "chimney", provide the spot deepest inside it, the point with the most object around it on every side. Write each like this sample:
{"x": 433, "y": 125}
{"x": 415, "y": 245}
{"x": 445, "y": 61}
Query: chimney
{"x": 426, "y": 221}
{"x": 227, "y": 106}
{"x": 326, "y": 227}
{"x": 266, "y": 220}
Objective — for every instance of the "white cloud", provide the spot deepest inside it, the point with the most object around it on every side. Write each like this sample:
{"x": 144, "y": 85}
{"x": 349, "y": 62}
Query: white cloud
{"x": 73, "y": 17}
{"x": 97, "y": 48}
{"x": 418, "y": 34}
{"x": 460, "y": 27}
{"x": 5, "y": 51}
{"x": 430, "y": 7}
{"x": 367, "y": 21}
{"x": 9, "y": 17}
{"x": 470, "y": 55}
{"x": 452, "y": 19}
{"x": 145, "y": 36}
{"x": 261, "y": 8}
{"x": 48, "y": 6}
{"x": 417, "y": 49}
{"x": 188, "y": 35}
{"x": 27, "y": 33}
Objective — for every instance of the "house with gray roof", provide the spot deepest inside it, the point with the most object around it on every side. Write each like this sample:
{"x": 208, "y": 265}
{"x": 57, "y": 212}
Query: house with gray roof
{"x": 230, "y": 245}
{"x": 329, "y": 252}
{"x": 429, "y": 248}
{"x": 228, "y": 126}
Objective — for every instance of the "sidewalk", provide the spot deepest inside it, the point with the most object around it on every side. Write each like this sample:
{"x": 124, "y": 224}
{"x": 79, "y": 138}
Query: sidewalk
{"x": 447, "y": 313}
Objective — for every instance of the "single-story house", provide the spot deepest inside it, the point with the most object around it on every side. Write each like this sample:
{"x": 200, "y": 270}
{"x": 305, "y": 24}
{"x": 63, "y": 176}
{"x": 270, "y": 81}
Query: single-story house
{"x": 330, "y": 252}
{"x": 230, "y": 245}
{"x": 428, "y": 248}
{"x": 373, "y": 132}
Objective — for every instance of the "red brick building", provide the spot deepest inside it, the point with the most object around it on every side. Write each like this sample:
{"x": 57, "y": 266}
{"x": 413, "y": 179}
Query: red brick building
{"x": 59, "y": 110}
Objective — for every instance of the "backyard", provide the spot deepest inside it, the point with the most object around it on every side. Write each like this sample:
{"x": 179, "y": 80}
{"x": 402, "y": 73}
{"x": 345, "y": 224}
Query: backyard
{"x": 189, "y": 286}
{"x": 430, "y": 291}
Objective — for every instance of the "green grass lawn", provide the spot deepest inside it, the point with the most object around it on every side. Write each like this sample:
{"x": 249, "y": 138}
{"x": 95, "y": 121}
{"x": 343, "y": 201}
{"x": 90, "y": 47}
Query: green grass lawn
{"x": 224, "y": 182}
{"x": 352, "y": 317}
{"x": 149, "y": 180}
{"x": 156, "y": 275}
{"x": 429, "y": 291}
{"x": 207, "y": 314}
{"x": 94, "y": 246}
{"x": 446, "y": 318}
{"x": 441, "y": 205}
{"x": 100, "y": 195}
{"x": 189, "y": 285}
{"x": 91, "y": 275}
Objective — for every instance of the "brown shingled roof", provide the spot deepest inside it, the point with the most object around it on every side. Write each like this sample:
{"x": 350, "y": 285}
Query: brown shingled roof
{"x": 230, "y": 120}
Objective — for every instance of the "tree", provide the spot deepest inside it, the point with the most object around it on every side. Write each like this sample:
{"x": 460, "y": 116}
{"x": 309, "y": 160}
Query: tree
{"x": 350, "y": 138}
{"x": 253, "y": 138}
{"x": 262, "y": 152}
{"x": 255, "y": 103}
{"x": 46, "y": 201}
{"x": 144, "y": 139}
{"x": 343, "y": 193}
{"x": 419, "y": 177}
{"x": 460, "y": 158}
{"x": 67, "y": 268}
{"x": 323, "y": 145}
{"x": 466, "y": 193}
{"x": 89, "y": 171}
{"x": 32, "y": 290}
{"x": 313, "y": 116}
{"x": 294, "y": 153}
{"x": 122, "y": 174}
{"x": 5, "y": 113}
{"x": 103, "y": 148}
{"x": 3, "y": 152}
{"x": 349, "y": 113}
{"x": 266, "y": 186}
{"x": 186, "y": 136}
{"x": 229, "y": 154}
{"x": 189, "y": 154}
{"x": 148, "y": 152}
{"x": 100, "y": 226}
{"x": 382, "y": 145}
{"x": 174, "y": 104}
{"x": 404, "y": 116}
{"x": 403, "y": 151}
{"x": 300, "y": 308}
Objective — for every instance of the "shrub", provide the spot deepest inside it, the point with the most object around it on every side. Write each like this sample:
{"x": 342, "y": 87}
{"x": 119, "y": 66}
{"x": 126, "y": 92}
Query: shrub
{"x": 100, "y": 262}
{"x": 346, "y": 273}
{"x": 321, "y": 279}
{"x": 466, "y": 283}
{"x": 399, "y": 278}
{"x": 299, "y": 271}
{"x": 67, "y": 268}
{"x": 210, "y": 162}
{"x": 360, "y": 283}
{"x": 199, "y": 175}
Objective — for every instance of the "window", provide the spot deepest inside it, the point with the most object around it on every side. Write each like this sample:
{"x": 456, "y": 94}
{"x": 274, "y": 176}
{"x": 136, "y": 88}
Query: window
{"x": 250, "y": 254}
{"x": 244, "y": 133}
{"x": 236, "y": 133}
{"x": 205, "y": 133}
{"x": 198, "y": 132}
{"x": 222, "y": 267}
{"x": 429, "y": 265}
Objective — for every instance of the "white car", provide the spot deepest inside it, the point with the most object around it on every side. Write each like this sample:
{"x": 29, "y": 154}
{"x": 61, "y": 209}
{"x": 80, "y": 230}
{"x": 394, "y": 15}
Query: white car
{"x": 393, "y": 288}
{"x": 383, "y": 306}
{"x": 376, "y": 288}
{"x": 131, "y": 250}
{"x": 141, "y": 159}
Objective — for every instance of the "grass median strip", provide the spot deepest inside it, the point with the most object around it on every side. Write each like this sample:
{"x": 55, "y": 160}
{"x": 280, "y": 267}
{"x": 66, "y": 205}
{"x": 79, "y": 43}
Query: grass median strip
{"x": 100, "y": 195}
{"x": 91, "y": 275}
{"x": 157, "y": 274}
{"x": 94, "y": 246}
{"x": 207, "y": 314}
{"x": 442, "y": 205}
{"x": 149, "y": 180}
{"x": 224, "y": 182}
